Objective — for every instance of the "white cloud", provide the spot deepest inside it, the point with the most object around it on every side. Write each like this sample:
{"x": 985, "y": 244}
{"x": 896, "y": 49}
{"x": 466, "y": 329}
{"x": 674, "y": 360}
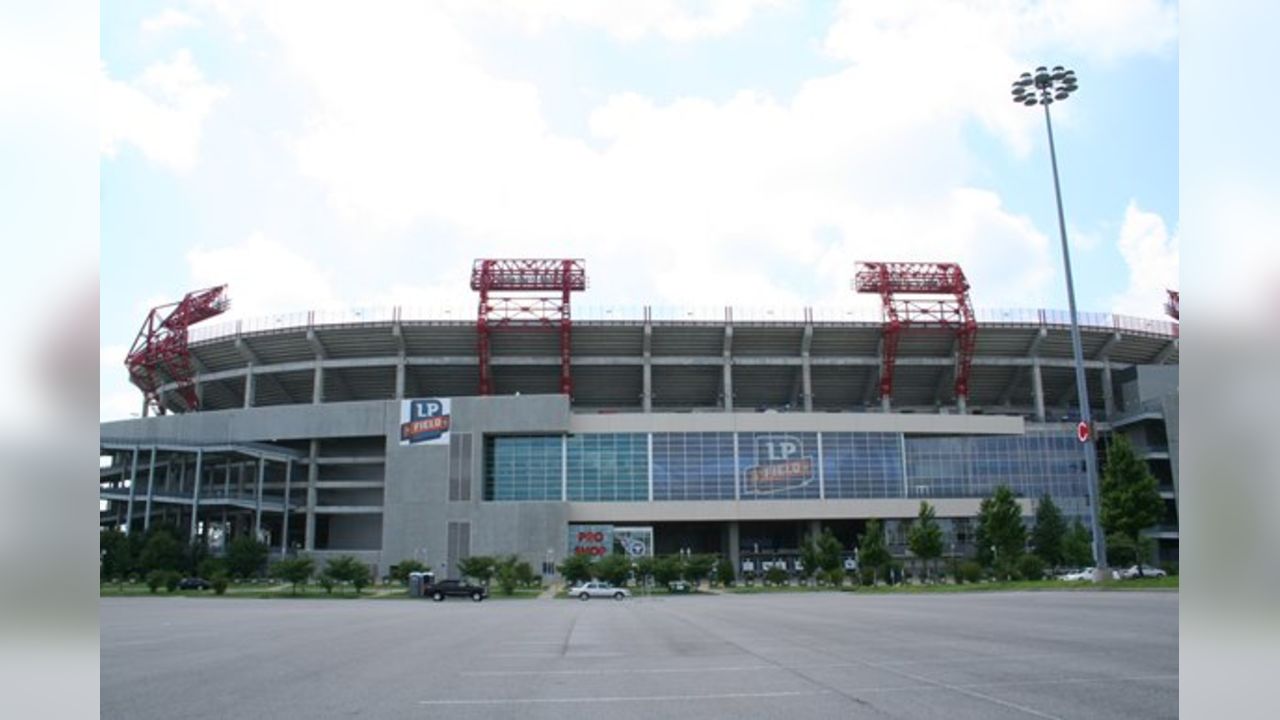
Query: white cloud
{"x": 263, "y": 277}
{"x": 1150, "y": 252}
{"x": 629, "y": 19}
{"x": 162, "y": 113}
{"x": 168, "y": 19}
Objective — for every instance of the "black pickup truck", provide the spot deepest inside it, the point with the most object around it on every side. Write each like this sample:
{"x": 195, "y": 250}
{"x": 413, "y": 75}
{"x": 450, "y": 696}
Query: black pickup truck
{"x": 438, "y": 591}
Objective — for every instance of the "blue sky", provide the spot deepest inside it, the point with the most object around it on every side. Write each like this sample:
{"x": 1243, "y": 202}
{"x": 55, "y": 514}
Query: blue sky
{"x": 698, "y": 154}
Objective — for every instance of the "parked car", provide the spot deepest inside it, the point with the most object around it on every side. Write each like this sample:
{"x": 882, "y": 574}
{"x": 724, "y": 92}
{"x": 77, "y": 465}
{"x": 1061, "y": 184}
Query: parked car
{"x": 597, "y": 588}
{"x": 194, "y": 583}
{"x": 1085, "y": 575}
{"x": 454, "y": 588}
{"x": 1131, "y": 572}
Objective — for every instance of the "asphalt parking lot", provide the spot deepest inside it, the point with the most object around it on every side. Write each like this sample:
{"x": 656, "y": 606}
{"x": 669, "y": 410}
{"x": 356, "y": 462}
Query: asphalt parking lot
{"x": 827, "y": 655}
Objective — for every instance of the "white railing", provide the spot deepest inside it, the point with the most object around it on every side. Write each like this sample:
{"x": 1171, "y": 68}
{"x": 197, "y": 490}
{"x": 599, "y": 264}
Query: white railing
{"x": 661, "y": 313}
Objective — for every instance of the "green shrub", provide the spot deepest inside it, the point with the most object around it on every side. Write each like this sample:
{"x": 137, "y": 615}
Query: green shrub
{"x": 1031, "y": 567}
{"x": 1169, "y": 567}
{"x": 327, "y": 582}
{"x": 969, "y": 571}
{"x": 171, "y": 580}
{"x": 836, "y": 577}
{"x": 155, "y": 579}
{"x": 868, "y": 575}
{"x": 400, "y": 571}
{"x": 219, "y": 581}
{"x": 775, "y": 576}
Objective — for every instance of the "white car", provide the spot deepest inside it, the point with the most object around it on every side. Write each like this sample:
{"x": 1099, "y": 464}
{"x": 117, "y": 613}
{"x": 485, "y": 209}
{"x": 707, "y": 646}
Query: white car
{"x": 1085, "y": 575}
{"x": 598, "y": 589}
{"x": 1131, "y": 572}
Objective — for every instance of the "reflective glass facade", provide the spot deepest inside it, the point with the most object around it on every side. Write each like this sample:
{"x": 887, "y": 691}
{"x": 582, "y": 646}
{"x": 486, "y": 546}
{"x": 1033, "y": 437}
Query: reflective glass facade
{"x": 633, "y": 467}
{"x": 608, "y": 468}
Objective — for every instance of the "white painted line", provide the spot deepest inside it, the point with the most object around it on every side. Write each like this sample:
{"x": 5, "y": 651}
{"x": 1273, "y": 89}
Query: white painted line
{"x": 642, "y": 698}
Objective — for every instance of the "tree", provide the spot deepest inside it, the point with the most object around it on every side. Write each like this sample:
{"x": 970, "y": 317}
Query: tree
{"x": 295, "y": 570}
{"x": 197, "y": 552}
{"x": 1031, "y": 567}
{"x": 699, "y": 566}
{"x": 1077, "y": 546}
{"x": 480, "y": 567}
{"x": 507, "y": 571}
{"x": 117, "y": 557}
{"x": 1050, "y": 532}
{"x": 1001, "y": 535}
{"x": 345, "y": 568}
{"x": 925, "y": 537}
{"x": 161, "y": 552}
{"x": 775, "y": 576}
{"x": 872, "y": 551}
{"x": 525, "y": 574}
{"x": 246, "y": 556}
{"x": 613, "y": 568}
{"x": 576, "y": 569}
{"x": 1131, "y": 499}
{"x": 809, "y": 557}
{"x": 400, "y": 571}
{"x": 724, "y": 572}
{"x": 829, "y": 552}
{"x": 667, "y": 569}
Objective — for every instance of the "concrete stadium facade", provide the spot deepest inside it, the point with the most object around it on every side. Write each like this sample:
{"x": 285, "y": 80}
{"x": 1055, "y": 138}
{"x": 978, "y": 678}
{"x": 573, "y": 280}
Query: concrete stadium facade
{"x": 721, "y": 436}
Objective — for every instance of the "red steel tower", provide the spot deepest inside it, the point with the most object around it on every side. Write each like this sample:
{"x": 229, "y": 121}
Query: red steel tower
{"x": 160, "y": 351}
{"x": 953, "y": 313}
{"x": 529, "y": 307}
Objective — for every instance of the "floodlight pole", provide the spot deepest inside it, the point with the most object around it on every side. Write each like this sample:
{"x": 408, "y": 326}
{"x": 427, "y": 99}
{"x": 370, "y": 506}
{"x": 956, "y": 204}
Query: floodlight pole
{"x": 1064, "y": 83}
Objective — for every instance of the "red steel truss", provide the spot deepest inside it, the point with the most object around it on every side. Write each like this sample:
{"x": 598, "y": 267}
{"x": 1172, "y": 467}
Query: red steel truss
{"x": 160, "y": 349}
{"x": 1171, "y": 305}
{"x": 953, "y": 314}
{"x": 524, "y": 311}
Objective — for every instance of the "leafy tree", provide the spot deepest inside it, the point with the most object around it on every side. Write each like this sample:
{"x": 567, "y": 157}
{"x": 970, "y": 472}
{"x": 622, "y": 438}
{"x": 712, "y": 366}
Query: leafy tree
{"x": 576, "y": 569}
{"x": 1049, "y": 534}
{"x": 809, "y": 557}
{"x": 1131, "y": 499}
{"x": 644, "y": 568}
{"x": 161, "y": 552}
{"x": 1077, "y": 546}
{"x": 1001, "y": 535}
{"x": 346, "y": 568}
{"x": 171, "y": 579}
{"x": 246, "y": 557}
{"x": 480, "y": 567}
{"x": 505, "y": 570}
{"x": 155, "y": 579}
{"x": 211, "y": 567}
{"x": 117, "y": 557}
{"x": 525, "y": 575}
{"x": 925, "y": 537}
{"x": 829, "y": 551}
{"x": 667, "y": 569}
{"x": 400, "y": 571}
{"x": 326, "y": 581}
{"x": 219, "y": 581}
{"x": 1123, "y": 551}
{"x": 295, "y": 570}
{"x": 613, "y": 568}
{"x": 968, "y": 571}
{"x": 775, "y": 576}
{"x": 873, "y": 554}
{"x": 698, "y": 567}
{"x": 197, "y": 553}
{"x": 724, "y": 572}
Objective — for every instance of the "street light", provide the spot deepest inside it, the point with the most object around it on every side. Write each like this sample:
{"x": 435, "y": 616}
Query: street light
{"x": 1042, "y": 88}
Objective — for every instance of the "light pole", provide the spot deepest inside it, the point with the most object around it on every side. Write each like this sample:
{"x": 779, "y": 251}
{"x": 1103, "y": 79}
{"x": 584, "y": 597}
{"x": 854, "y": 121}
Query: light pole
{"x": 1042, "y": 88}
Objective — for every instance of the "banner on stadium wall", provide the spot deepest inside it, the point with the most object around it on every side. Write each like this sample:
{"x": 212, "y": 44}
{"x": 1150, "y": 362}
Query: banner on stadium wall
{"x": 634, "y": 541}
{"x": 782, "y": 463}
{"x": 593, "y": 540}
{"x": 424, "y": 421}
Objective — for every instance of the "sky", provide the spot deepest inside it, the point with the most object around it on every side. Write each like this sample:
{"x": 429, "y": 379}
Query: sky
{"x": 695, "y": 154}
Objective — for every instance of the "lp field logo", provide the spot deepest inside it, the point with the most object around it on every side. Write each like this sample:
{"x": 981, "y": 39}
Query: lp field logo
{"x": 781, "y": 464}
{"x": 424, "y": 422}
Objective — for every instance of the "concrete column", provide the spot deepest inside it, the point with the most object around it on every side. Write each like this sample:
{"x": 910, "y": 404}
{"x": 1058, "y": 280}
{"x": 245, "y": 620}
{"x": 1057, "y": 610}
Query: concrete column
{"x": 646, "y": 396}
{"x": 962, "y": 405}
{"x": 806, "y": 372}
{"x": 284, "y": 515}
{"x": 1108, "y": 392}
{"x": 151, "y": 486}
{"x": 728, "y": 361}
{"x": 400, "y": 374}
{"x": 884, "y": 404}
{"x": 250, "y": 382}
{"x": 195, "y": 493}
{"x": 734, "y": 554}
{"x": 313, "y": 474}
{"x": 1037, "y": 388}
{"x": 257, "y": 511}
{"x": 815, "y": 529}
{"x": 133, "y": 490}
{"x": 317, "y": 389}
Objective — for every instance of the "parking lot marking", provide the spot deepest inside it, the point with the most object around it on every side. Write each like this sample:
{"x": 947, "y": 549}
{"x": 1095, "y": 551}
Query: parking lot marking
{"x": 638, "y": 698}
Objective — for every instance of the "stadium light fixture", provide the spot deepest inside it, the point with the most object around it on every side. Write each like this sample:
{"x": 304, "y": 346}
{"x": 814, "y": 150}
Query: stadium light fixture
{"x": 1044, "y": 87}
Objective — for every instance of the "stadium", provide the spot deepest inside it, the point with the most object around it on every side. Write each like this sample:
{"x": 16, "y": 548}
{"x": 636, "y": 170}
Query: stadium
{"x": 526, "y": 428}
